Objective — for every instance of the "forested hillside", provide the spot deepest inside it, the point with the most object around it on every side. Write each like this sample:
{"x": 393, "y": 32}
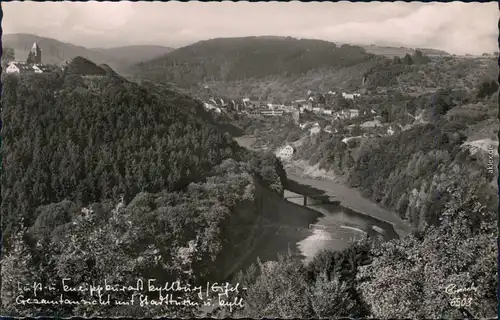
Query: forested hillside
{"x": 134, "y": 54}
{"x": 410, "y": 76}
{"x": 133, "y": 176}
{"x": 242, "y": 58}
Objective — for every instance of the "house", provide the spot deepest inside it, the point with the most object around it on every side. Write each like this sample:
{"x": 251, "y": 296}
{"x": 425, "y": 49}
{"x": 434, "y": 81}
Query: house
{"x": 20, "y": 68}
{"x": 371, "y": 124}
{"x": 390, "y": 131}
{"x": 302, "y": 105}
{"x": 43, "y": 68}
{"x": 328, "y": 129}
{"x": 315, "y": 129}
{"x": 353, "y": 113}
{"x": 286, "y": 152}
{"x": 347, "y": 96}
{"x": 245, "y": 102}
{"x": 318, "y": 109}
{"x": 328, "y": 111}
{"x": 271, "y": 112}
{"x": 347, "y": 139}
{"x": 208, "y": 106}
{"x": 339, "y": 116}
{"x": 350, "y": 96}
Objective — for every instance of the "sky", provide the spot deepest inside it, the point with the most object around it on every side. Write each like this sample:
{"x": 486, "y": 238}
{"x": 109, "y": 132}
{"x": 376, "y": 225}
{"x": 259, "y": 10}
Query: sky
{"x": 455, "y": 27}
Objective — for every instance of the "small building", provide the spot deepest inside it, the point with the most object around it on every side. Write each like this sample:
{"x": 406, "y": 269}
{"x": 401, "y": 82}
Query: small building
{"x": 350, "y": 96}
{"x": 315, "y": 129}
{"x": 318, "y": 109}
{"x": 327, "y": 111}
{"x": 371, "y": 124}
{"x": 286, "y": 151}
{"x": 353, "y": 113}
{"x": 271, "y": 113}
{"x": 20, "y": 68}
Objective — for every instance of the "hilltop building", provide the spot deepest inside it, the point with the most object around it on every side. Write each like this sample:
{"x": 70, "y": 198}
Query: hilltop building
{"x": 35, "y": 55}
{"x": 33, "y": 64}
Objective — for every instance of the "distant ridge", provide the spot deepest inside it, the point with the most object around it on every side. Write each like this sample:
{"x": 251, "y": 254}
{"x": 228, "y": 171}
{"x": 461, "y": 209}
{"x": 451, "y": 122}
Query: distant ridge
{"x": 57, "y": 52}
{"x": 401, "y": 51}
{"x": 136, "y": 53}
{"x": 246, "y": 57}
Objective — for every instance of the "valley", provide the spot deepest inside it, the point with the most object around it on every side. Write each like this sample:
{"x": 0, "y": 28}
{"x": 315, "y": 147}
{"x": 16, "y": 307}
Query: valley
{"x": 312, "y": 173}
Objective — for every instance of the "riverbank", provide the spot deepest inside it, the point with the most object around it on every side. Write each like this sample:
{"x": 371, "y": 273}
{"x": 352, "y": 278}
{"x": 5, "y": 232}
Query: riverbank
{"x": 348, "y": 197}
{"x": 327, "y": 182}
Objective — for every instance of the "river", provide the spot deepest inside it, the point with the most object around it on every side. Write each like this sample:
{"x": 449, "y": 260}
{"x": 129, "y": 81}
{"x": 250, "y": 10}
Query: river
{"x": 307, "y": 230}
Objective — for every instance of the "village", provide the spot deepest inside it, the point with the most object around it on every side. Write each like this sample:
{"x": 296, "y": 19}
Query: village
{"x": 317, "y": 113}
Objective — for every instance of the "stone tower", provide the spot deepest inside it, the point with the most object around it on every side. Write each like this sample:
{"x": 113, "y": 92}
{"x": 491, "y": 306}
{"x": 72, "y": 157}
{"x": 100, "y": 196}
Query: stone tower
{"x": 37, "y": 53}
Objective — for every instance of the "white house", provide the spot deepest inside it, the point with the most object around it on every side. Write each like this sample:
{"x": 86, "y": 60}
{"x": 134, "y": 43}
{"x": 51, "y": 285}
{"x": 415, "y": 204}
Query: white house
{"x": 353, "y": 113}
{"x": 315, "y": 129}
{"x": 390, "y": 131}
{"x": 316, "y": 109}
{"x": 328, "y": 129}
{"x": 328, "y": 111}
{"x": 37, "y": 69}
{"x": 209, "y": 106}
{"x": 19, "y": 67}
{"x": 347, "y": 139}
{"x": 347, "y": 95}
{"x": 350, "y": 96}
{"x": 371, "y": 124}
{"x": 286, "y": 151}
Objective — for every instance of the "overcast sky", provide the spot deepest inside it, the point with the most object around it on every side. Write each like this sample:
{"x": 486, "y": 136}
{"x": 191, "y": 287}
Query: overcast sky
{"x": 455, "y": 27}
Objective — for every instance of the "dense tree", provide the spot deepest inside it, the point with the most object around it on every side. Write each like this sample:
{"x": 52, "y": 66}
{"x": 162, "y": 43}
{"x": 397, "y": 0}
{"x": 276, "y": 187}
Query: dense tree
{"x": 487, "y": 88}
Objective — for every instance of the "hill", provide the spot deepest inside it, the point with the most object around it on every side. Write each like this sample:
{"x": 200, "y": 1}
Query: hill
{"x": 99, "y": 154}
{"x": 291, "y": 87}
{"x": 84, "y": 67}
{"x": 134, "y": 54}
{"x": 54, "y": 51}
{"x": 57, "y": 52}
{"x": 230, "y": 59}
{"x": 392, "y": 52}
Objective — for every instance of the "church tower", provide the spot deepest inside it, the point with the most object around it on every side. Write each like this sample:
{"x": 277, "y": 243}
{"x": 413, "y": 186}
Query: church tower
{"x": 36, "y": 53}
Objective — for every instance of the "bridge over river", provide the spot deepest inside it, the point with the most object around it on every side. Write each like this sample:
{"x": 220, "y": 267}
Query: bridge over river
{"x": 315, "y": 199}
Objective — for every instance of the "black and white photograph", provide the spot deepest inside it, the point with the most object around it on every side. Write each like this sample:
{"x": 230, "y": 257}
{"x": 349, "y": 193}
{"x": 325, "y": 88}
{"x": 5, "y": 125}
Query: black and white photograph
{"x": 289, "y": 160}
